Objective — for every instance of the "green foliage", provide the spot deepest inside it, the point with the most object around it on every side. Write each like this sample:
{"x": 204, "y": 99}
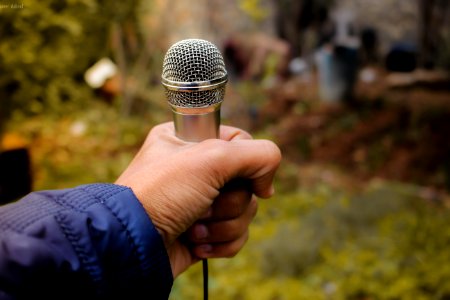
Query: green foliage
{"x": 385, "y": 243}
{"x": 82, "y": 147}
{"x": 254, "y": 9}
{"x": 48, "y": 45}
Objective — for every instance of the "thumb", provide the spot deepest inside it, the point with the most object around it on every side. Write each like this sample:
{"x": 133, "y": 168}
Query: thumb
{"x": 256, "y": 160}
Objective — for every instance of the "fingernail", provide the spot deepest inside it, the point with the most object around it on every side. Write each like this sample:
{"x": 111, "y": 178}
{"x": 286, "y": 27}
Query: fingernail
{"x": 200, "y": 231}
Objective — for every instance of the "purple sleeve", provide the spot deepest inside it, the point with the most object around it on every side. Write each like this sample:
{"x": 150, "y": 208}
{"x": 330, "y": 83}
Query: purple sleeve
{"x": 91, "y": 242}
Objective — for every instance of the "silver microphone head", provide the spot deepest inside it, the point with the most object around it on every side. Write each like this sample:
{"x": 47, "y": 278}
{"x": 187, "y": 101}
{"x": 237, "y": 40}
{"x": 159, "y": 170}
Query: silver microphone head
{"x": 194, "y": 77}
{"x": 194, "y": 74}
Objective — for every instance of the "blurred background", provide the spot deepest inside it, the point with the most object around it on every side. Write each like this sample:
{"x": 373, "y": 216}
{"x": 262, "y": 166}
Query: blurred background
{"x": 355, "y": 92}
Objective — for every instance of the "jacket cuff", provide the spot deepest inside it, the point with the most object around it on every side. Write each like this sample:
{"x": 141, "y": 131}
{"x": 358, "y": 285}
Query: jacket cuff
{"x": 141, "y": 234}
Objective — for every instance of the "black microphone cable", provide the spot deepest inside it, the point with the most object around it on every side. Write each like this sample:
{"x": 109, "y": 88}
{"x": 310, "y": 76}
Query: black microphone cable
{"x": 205, "y": 278}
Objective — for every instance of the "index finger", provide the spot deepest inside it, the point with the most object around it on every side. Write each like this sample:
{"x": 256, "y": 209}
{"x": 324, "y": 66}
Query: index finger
{"x": 229, "y": 133}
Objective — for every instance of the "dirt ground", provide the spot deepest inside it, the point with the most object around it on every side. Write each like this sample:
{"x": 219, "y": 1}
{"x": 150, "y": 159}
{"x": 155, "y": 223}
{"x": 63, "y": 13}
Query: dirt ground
{"x": 396, "y": 128}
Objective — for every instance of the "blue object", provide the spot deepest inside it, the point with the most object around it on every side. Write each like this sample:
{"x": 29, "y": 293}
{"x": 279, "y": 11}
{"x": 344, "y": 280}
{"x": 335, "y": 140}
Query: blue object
{"x": 91, "y": 242}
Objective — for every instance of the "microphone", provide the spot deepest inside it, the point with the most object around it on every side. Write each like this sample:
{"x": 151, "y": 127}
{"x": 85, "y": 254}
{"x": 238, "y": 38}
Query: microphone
{"x": 194, "y": 77}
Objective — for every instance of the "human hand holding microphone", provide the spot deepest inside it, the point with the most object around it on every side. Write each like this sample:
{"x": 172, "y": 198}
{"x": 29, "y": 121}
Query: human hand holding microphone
{"x": 195, "y": 178}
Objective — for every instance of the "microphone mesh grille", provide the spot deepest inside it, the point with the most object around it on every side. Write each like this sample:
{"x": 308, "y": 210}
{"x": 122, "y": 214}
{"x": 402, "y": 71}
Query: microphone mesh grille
{"x": 190, "y": 61}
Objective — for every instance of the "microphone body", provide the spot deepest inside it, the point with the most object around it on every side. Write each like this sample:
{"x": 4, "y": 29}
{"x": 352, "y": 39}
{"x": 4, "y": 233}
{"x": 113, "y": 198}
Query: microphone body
{"x": 196, "y": 125}
{"x": 194, "y": 77}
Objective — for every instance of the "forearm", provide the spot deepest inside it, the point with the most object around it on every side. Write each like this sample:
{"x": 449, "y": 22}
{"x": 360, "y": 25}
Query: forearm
{"x": 94, "y": 239}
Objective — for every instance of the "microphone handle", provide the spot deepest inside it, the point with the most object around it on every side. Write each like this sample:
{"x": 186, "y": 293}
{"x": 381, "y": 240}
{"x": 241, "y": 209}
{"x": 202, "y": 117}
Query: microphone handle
{"x": 196, "y": 125}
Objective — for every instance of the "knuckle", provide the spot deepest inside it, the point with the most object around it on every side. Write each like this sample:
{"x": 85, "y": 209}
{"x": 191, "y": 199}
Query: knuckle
{"x": 246, "y": 135}
{"x": 232, "y": 250}
{"x": 158, "y": 132}
{"x": 232, "y": 133}
{"x": 160, "y": 128}
{"x": 242, "y": 134}
{"x": 235, "y": 247}
{"x": 232, "y": 254}
{"x": 273, "y": 153}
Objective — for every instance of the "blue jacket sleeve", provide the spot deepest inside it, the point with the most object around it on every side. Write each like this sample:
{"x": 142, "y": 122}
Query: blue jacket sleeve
{"x": 91, "y": 242}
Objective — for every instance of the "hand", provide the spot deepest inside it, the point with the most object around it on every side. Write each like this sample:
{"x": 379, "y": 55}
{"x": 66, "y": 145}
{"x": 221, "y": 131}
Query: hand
{"x": 199, "y": 195}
